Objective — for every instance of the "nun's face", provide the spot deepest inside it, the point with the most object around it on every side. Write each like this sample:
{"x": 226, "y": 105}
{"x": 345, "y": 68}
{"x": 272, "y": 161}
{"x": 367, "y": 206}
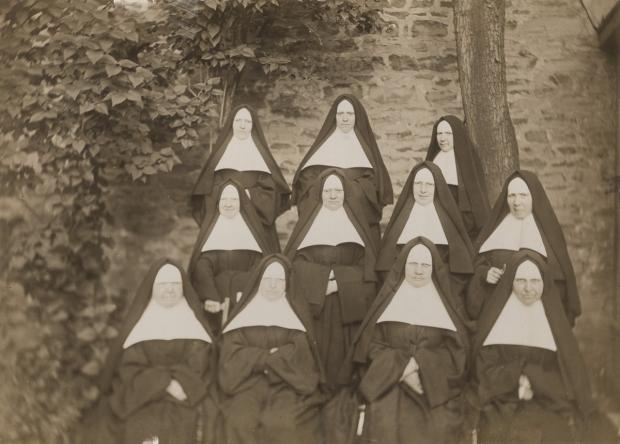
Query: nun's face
{"x": 444, "y": 136}
{"x": 519, "y": 198}
{"x": 528, "y": 283}
{"x": 424, "y": 187}
{"x": 345, "y": 116}
{"x": 273, "y": 283}
{"x": 242, "y": 124}
{"x": 419, "y": 266}
{"x": 229, "y": 202}
{"x": 333, "y": 193}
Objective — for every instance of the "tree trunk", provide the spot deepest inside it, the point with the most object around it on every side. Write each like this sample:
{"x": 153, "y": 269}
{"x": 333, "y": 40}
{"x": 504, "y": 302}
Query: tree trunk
{"x": 479, "y": 26}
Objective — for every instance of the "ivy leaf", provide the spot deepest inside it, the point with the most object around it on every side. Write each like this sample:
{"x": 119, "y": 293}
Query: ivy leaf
{"x": 126, "y": 63}
{"x": 86, "y": 107}
{"x": 135, "y": 79}
{"x": 101, "y": 108}
{"x": 91, "y": 368}
{"x": 94, "y": 56}
{"x": 213, "y": 29}
{"x": 112, "y": 70}
{"x": 79, "y": 145}
{"x": 41, "y": 115}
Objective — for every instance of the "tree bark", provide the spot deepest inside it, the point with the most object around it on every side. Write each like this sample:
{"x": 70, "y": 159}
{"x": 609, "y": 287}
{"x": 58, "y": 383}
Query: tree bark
{"x": 479, "y": 26}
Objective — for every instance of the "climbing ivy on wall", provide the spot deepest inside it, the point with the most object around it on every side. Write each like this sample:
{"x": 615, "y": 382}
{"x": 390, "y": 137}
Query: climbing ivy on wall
{"x": 93, "y": 95}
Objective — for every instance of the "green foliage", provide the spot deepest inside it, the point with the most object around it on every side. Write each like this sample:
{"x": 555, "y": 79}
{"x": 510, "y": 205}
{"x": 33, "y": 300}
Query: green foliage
{"x": 92, "y": 95}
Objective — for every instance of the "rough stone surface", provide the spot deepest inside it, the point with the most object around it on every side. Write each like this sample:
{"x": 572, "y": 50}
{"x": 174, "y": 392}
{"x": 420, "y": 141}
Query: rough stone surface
{"x": 561, "y": 93}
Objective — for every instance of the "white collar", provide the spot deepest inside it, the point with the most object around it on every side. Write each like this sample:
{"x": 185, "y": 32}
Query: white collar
{"x": 423, "y": 221}
{"x": 340, "y": 150}
{"x": 262, "y": 312}
{"x": 242, "y": 155}
{"x": 231, "y": 234}
{"x": 446, "y": 162}
{"x": 515, "y": 234}
{"x": 157, "y": 322}
{"x": 417, "y": 306}
{"x": 520, "y": 324}
{"x": 331, "y": 227}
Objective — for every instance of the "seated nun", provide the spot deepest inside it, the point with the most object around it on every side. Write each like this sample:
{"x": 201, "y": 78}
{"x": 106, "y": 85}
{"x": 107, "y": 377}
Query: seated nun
{"x": 426, "y": 208}
{"x": 334, "y": 257}
{"x": 413, "y": 349}
{"x": 230, "y": 243}
{"x": 157, "y": 378}
{"x": 269, "y": 371}
{"x": 522, "y": 218}
{"x": 453, "y": 152}
{"x": 530, "y": 377}
{"x": 346, "y": 141}
{"x": 242, "y": 153}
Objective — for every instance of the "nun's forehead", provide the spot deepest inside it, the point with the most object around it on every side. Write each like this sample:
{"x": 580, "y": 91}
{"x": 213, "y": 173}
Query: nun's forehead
{"x": 424, "y": 175}
{"x": 168, "y": 273}
{"x": 444, "y": 125}
{"x": 528, "y": 270}
{"x": 229, "y": 191}
{"x": 420, "y": 253}
{"x": 332, "y": 181}
{"x": 243, "y": 113}
{"x": 345, "y": 106}
{"x": 517, "y": 185}
{"x": 275, "y": 270}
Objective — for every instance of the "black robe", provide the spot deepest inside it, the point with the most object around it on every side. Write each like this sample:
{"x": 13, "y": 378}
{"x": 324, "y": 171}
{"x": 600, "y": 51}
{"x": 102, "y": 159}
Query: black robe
{"x": 270, "y": 397}
{"x": 558, "y": 379}
{"x": 372, "y": 186}
{"x": 336, "y": 315}
{"x": 269, "y": 192}
{"x": 220, "y": 274}
{"x": 394, "y": 412}
{"x": 471, "y": 194}
{"x": 135, "y": 405}
{"x": 558, "y": 260}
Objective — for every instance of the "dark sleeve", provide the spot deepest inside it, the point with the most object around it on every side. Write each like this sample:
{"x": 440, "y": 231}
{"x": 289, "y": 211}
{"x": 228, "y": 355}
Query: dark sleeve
{"x": 497, "y": 372}
{"x": 294, "y": 364}
{"x": 441, "y": 357}
{"x": 478, "y": 288}
{"x": 194, "y": 374}
{"x": 204, "y": 280}
{"x": 139, "y": 382}
{"x": 311, "y": 280}
{"x": 304, "y": 180}
{"x": 239, "y": 362}
{"x": 386, "y": 367}
{"x": 267, "y": 199}
{"x": 547, "y": 382}
{"x": 354, "y": 293}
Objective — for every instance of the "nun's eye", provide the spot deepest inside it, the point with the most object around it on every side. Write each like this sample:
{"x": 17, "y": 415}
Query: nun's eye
{"x": 426, "y": 265}
{"x": 520, "y": 281}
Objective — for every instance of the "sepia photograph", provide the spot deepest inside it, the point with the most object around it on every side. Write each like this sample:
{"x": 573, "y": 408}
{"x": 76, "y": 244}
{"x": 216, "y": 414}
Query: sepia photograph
{"x": 310, "y": 221}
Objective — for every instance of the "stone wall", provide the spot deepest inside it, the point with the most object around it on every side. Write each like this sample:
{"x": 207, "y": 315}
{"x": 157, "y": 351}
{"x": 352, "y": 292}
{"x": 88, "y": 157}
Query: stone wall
{"x": 561, "y": 89}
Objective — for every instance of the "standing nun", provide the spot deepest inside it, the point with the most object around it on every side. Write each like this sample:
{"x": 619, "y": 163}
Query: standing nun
{"x": 426, "y": 208}
{"x": 346, "y": 141}
{"x": 230, "y": 243}
{"x": 242, "y": 153}
{"x": 530, "y": 377}
{"x": 522, "y": 218}
{"x": 158, "y": 374}
{"x": 334, "y": 255}
{"x": 269, "y": 371}
{"x": 453, "y": 152}
{"x": 413, "y": 346}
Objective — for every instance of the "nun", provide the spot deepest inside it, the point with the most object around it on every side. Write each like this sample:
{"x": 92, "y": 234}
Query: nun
{"x": 413, "y": 351}
{"x": 426, "y": 208}
{"x": 522, "y": 218}
{"x": 530, "y": 377}
{"x": 453, "y": 152}
{"x": 242, "y": 153}
{"x": 269, "y": 372}
{"x": 333, "y": 252}
{"x": 230, "y": 243}
{"x": 346, "y": 141}
{"x": 157, "y": 379}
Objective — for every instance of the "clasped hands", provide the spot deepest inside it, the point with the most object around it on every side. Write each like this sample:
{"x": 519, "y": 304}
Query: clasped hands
{"x": 176, "y": 391}
{"x": 411, "y": 376}
{"x": 332, "y": 285}
{"x": 525, "y": 388}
